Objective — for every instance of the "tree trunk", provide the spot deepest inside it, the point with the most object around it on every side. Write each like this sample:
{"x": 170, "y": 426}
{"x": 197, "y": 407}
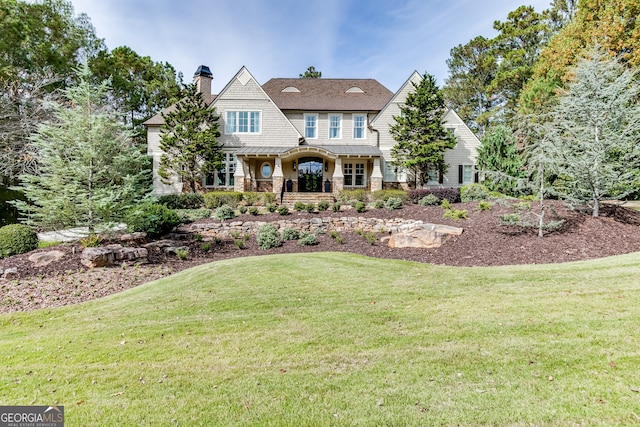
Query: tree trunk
{"x": 596, "y": 207}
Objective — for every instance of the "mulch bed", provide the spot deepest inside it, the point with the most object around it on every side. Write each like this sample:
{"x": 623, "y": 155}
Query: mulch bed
{"x": 484, "y": 242}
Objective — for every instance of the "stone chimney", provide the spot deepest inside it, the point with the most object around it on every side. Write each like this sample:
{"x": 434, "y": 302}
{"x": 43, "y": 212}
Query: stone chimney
{"x": 202, "y": 78}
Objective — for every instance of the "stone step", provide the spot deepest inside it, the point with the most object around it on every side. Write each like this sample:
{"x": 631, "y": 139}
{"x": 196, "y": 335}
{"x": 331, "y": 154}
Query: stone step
{"x": 290, "y": 199}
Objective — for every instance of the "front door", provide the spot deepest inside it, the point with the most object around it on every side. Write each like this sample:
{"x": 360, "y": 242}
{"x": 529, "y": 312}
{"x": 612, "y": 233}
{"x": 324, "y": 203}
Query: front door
{"x": 310, "y": 174}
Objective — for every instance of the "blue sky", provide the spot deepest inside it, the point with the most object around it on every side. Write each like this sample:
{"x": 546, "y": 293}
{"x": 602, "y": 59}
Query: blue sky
{"x": 381, "y": 39}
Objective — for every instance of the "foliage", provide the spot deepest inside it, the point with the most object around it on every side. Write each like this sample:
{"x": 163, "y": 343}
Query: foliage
{"x": 484, "y": 205}
{"x": 393, "y": 203}
{"x": 89, "y": 171}
{"x": 299, "y": 206}
{"x": 345, "y": 196}
{"x": 224, "y": 212}
{"x": 215, "y": 199}
{"x": 182, "y": 254}
{"x": 429, "y": 200}
{"x": 268, "y": 237}
{"x": 205, "y": 246}
{"x": 360, "y": 207}
{"x": 251, "y": 198}
{"x": 269, "y": 198}
{"x": 592, "y": 134}
{"x": 283, "y": 210}
{"x": 419, "y": 132}
{"x": 323, "y": 205}
{"x": 445, "y": 204}
{"x": 499, "y": 160}
{"x": 290, "y": 234}
{"x": 182, "y": 201}
{"x": 308, "y": 239}
{"x": 242, "y": 209}
{"x": 450, "y": 194}
{"x": 188, "y": 141}
{"x": 311, "y": 73}
{"x": 17, "y": 239}
{"x": 456, "y": 214}
{"x": 384, "y": 195}
{"x": 152, "y": 218}
{"x": 310, "y": 207}
{"x": 369, "y": 237}
{"x": 378, "y": 204}
{"x": 336, "y": 207}
{"x": 272, "y": 207}
{"x": 91, "y": 241}
{"x": 239, "y": 243}
{"x": 190, "y": 215}
{"x": 253, "y": 210}
{"x": 334, "y": 234}
{"x": 473, "y": 192}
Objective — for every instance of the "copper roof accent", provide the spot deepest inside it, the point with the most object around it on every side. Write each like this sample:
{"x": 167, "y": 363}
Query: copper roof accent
{"x": 328, "y": 94}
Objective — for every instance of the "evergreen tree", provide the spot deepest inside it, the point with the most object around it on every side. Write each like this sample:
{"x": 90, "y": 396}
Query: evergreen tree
{"x": 188, "y": 141}
{"x": 421, "y": 138}
{"x": 594, "y": 131}
{"x": 499, "y": 159}
{"x": 89, "y": 173}
{"x": 311, "y": 73}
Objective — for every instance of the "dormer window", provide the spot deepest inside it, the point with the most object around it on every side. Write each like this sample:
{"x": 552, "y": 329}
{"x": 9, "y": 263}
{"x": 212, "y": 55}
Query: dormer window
{"x": 291, "y": 89}
{"x": 354, "y": 89}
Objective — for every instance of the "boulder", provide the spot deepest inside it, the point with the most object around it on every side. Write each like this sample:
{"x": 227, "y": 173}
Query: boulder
{"x": 424, "y": 236}
{"x": 10, "y": 273}
{"x": 109, "y": 255}
{"x": 42, "y": 259}
{"x": 133, "y": 237}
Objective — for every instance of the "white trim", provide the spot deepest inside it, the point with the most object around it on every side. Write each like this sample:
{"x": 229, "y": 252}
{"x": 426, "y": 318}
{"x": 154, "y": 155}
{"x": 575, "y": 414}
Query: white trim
{"x": 262, "y": 165}
{"x": 329, "y": 116}
{"x": 353, "y": 173}
{"x": 364, "y": 126}
{"x": 236, "y": 132}
{"x": 305, "y": 115}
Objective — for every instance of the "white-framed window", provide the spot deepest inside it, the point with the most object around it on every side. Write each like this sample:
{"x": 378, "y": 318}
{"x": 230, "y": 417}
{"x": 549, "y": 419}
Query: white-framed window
{"x": 359, "y": 126}
{"x": 467, "y": 174}
{"x": 243, "y": 122}
{"x": 354, "y": 174}
{"x": 311, "y": 126}
{"x": 335, "y": 126}
{"x": 223, "y": 178}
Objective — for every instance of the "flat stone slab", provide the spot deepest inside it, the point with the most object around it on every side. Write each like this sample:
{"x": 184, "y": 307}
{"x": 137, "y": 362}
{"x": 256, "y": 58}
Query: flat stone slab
{"x": 42, "y": 259}
{"x": 425, "y": 236}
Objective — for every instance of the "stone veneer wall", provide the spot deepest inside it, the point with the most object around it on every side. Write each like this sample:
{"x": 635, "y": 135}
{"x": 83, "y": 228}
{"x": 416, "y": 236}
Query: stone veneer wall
{"x": 312, "y": 225}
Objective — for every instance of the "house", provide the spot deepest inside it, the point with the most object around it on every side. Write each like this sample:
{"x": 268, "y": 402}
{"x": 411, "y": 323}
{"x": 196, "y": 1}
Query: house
{"x": 311, "y": 135}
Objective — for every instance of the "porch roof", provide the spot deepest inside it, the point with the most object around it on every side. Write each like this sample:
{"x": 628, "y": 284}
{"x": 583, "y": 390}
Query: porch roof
{"x": 332, "y": 150}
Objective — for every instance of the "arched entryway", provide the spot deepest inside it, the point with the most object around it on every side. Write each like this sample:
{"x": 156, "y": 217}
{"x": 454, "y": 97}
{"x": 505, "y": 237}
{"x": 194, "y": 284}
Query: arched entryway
{"x": 310, "y": 174}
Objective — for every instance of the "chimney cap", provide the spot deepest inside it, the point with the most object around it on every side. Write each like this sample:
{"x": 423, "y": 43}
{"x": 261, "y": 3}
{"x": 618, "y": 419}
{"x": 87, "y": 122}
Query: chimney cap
{"x": 203, "y": 71}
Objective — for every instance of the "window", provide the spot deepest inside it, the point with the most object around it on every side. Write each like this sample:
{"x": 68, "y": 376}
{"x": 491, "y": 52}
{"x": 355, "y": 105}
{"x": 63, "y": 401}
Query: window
{"x": 311, "y": 126}
{"x": 433, "y": 177}
{"x": 466, "y": 174}
{"x": 223, "y": 178}
{"x": 243, "y": 122}
{"x": 335, "y": 126}
{"x": 391, "y": 172}
{"x": 359, "y": 123}
{"x": 265, "y": 170}
{"x": 354, "y": 174}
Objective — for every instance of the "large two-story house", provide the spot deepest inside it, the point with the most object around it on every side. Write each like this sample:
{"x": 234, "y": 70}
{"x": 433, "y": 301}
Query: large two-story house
{"x": 311, "y": 135}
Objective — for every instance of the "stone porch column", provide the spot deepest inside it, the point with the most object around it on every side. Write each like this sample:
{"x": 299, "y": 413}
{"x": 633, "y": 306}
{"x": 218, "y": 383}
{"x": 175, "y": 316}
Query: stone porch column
{"x": 338, "y": 177}
{"x": 277, "y": 176}
{"x": 376, "y": 175}
{"x": 238, "y": 176}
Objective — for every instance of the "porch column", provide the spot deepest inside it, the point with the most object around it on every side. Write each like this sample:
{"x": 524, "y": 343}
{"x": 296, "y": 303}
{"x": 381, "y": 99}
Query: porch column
{"x": 376, "y": 175}
{"x": 338, "y": 176}
{"x": 238, "y": 176}
{"x": 277, "y": 176}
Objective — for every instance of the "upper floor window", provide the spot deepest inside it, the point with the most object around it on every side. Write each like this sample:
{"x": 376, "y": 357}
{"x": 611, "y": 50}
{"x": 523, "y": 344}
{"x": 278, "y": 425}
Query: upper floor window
{"x": 359, "y": 123}
{"x": 335, "y": 126}
{"x": 243, "y": 122}
{"x": 311, "y": 126}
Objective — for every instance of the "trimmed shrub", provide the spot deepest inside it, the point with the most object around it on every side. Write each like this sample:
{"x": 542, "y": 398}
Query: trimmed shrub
{"x": 290, "y": 234}
{"x": 308, "y": 239}
{"x": 310, "y": 208}
{"x": 378, "y": 204}
{"x": 272, "y": 207}
{"x": 190, "y": 215}
{"x": 17, "y": 239}
{"x": 253, "y": 210}
{"x": 251, "y": 198}
{"x": 182, "y": 201}
{"x": 283, "y": 210}
{"x": 385, "y": 195}
{"x": 215, "y": 199}
{"x": 360, "y": 207}
{"x": 152, "y": 218}
{"x": 269, "y": 198}
{"x": 347, "y": 195}
{"x": 323, "y": 205}
{"x": 224, "y": 212}
{"x": 429, "y": 200}
{"x": 393, "y": 203}
{"x": 336, "y": 207}
{"x": 242, "y": 209}
{"x": 268, "y": 237}
{"x": 299, "y": 206}
{"x": 451, "y": 194}
{"x": 474, "y": 192}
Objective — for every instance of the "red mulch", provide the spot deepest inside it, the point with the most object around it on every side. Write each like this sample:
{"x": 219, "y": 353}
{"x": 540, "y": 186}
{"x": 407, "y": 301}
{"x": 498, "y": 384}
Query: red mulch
{"x": 484, "y": 242}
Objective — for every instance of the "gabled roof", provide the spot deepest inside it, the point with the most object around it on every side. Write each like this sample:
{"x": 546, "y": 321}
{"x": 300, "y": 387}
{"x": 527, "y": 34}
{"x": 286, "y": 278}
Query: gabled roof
{"x": 328, "y": 94}
{"x": 158, "y": 120}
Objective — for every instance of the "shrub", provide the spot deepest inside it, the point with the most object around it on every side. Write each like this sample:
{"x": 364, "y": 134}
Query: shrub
{"x": 334, "y": 234}
{"x": 152, "y": 218}
{"x": 253, "y": 210}
{"x": 451, "y": 194}
{"x": 308, "y": 239}
{"x": 182, "y": 201}
{"x": 268, "y": 237}
{"x": 369, "y": 237}
{"x": 473, "y": 192}
{"x": 17, "y": 239}
{"x": 510, "y": 219}
{"x": 272, "y": 207}
{"x": 378, "y": 204}
{"x": 340, "y": 239}
{"x": 182, "y": 254}
{"x": 310, "y": 208}
{"x": 224, "y": 212}
{"x": 385, "y": 195}
{"x": 393, "y": 203}
{"x": 360, "y": 207}
{"x": 445, "y": 204}
{"x": 347, "y": 195}
{"x": 242, "y": 209}
{"x": 269, "y": 198}
{"x": 283, "y": 210}
{"x": 429, "y": 200}
{"x": 206, "y": 246}
{"x": 299, "y": 206}
{"x": 190, "y": 215}
{"x": 239, "y": 243}
{"x": 336, "y": 207}
{"x": 91, "y": 241}
{"x": 323, "y": 205}
{"x": 483, "y": 205}
{"x": 290, "y": 234}
{"x": 251, "y": 198}
{"x": 456, "y": 214}
{"x": 215, "y": 199}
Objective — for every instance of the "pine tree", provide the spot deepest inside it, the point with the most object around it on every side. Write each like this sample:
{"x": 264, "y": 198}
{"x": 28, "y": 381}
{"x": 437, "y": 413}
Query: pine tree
{"x": 89, "y": 172}
{"x": 420, "y": 133}
{"x": 499, "y": 159}
{"x": 594, "y": 131}
{"x": 189, "y": 141}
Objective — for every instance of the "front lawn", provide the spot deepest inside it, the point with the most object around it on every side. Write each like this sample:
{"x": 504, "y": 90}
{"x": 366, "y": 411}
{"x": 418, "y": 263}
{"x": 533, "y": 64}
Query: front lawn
{"x": 338, "y": 339}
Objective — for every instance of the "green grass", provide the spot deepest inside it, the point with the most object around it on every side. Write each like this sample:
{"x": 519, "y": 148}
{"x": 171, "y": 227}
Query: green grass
{"x": 333, "y": 339}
